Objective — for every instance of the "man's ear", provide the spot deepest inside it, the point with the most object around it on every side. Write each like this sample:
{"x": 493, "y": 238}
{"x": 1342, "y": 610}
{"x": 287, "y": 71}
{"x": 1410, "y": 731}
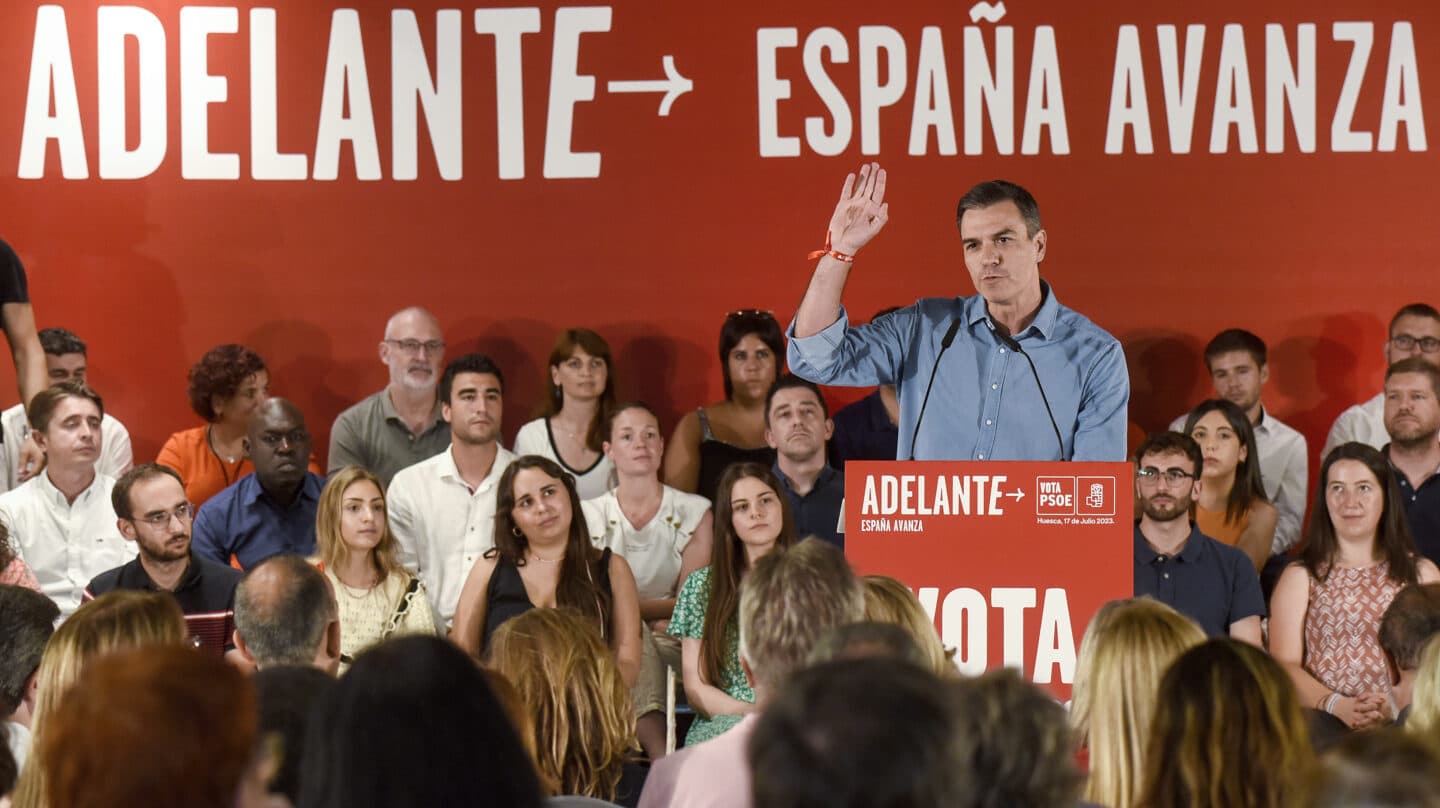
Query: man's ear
{"x": 126, "y": 528}
{"x": 242, "y": 648}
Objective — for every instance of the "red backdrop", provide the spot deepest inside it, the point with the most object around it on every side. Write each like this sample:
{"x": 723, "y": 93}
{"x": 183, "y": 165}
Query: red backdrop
{"x": 686, "y": 219}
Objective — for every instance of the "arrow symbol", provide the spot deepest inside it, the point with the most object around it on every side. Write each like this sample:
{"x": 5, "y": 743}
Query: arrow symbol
{"x": 1018, "y": 495}
{"x": 673, "y": 85}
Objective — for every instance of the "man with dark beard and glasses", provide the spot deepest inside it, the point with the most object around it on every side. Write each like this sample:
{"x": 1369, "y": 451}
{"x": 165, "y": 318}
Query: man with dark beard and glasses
{"x": 1209, "y": 582}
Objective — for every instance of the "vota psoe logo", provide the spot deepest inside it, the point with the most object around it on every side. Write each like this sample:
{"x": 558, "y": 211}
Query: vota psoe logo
{"x": 1055, "y": 496}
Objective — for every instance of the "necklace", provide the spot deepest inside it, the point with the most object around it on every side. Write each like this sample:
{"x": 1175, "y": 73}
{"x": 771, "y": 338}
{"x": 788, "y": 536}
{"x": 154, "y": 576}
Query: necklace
{"x": 350, "y": 590}
{"x": 545, "y": 560}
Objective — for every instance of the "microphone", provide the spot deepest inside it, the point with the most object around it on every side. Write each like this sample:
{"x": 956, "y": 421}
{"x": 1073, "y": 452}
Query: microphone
{"x": 944, "y": 345}
{"x": 1014, "y": 345}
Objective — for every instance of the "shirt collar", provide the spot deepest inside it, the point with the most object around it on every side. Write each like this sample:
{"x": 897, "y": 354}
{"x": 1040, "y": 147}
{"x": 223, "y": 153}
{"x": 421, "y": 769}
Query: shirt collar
{"x": 1045, "y": 317}
{"x": 56, "y": 497}
{"x": 1190, "y": 553}
{"x": 309, "y": 488}
{"x": 134, "y": 576}
{"x": 388, "y": 411}
{"x": 827, "y": 473}
{"x": 449, "y": 471}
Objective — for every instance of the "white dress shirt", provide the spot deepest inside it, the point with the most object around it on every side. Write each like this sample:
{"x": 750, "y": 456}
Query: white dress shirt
{"x": 115, "y": 458}
{"x": 1364, "y": 423}
{"x": 441, "y": 526}
{"x": 65, "y": 544}
{"x": 1284, "y": 473}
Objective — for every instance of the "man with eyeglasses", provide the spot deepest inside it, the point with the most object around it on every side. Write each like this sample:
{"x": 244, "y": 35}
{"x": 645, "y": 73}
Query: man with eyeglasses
{"x": 1213, "y": 584}
{"x": 271, "y": 511}
{"x": 61, "y": 521}
{"x": 400, "y": 425}
{"x": 1414, "y": 332}
{"x": 152, "y": 512}
{"x": 1412, "y": 419}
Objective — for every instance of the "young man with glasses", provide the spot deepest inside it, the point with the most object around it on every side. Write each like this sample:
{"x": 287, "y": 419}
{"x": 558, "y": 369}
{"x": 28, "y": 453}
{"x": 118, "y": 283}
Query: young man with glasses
{"x": 400, "y": 425}
{"x": 1414, "y": 332}
{"x": 1211, "y": 583}
{"x": 152, "y": 512}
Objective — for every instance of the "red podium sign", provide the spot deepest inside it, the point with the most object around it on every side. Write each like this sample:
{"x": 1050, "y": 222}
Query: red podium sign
{"x": 1011, "y": 559}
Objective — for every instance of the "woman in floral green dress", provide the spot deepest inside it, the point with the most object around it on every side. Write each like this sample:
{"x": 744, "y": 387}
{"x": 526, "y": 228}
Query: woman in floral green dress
{"x": 752, "y": 517}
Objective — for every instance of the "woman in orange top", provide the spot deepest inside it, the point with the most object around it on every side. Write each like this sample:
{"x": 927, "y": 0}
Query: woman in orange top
{"x": 1232, "y": 507}
{"x": 227, "y": 385}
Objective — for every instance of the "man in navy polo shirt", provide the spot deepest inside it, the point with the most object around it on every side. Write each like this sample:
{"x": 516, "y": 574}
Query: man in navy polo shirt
{"x": 1211, "y": 583}
{"x": 149, "y": 501}
{"x": 271, "y": 511}
{"x": 797, "y": 424}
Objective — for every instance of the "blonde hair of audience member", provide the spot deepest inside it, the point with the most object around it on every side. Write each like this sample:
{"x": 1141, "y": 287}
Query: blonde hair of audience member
{"x": 583, "y": 727}
{"x": 1424, "y": 717}
{"x": 1125, "y": 652}
{"x": 889, "y": 601}
{"x": 329, "y": 542}
{"x": 1230, "y": 732}
{"x": 521, "y": 718}
{"x": 112, "y": 622}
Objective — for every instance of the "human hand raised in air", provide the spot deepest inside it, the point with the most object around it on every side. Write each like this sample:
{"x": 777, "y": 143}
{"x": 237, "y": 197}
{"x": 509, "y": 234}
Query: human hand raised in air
{"x": 862, "y": 210}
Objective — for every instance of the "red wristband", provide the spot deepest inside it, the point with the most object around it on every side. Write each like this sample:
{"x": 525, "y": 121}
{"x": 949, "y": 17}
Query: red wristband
{"x": 836, "y": 254}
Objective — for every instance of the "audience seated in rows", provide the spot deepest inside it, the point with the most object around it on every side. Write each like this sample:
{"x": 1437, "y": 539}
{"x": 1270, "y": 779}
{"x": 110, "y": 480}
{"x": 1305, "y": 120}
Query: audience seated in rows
{"x": 1409, "y": 622}
{"x": 1126, "y": 649}
{"x": 377, "y": 597}
{"x": 1211, "y": 583}
{"x": 442, "y": 510}
{"x": 400, "y": 425}
{"x": 286, "y": 614}
{"x": 285, "y": 696}
{"x": 868, "y": 429}
{"x": 890, "y": 601}
{"x": 226, "y": 386}
{"x": 1327, "y": 607}
{"x": 1412, "y": 417}
{"x": 1238, "y": 364}
{"x": 66, "y": 360}
{"x": 61, "y": 521}
{"x": 789, "y": 599}
{"x": 752, "y": 518}
{"x": 712, "y": 438}
{"x": 27, "y": 619}
{"x": 580, "y": 710}
{"x": 664, "y": 534}
{"x": 151, "y": 510}
{"x": 272, "y": 511}
{"x": 797, "y": 427}
{"x": 1414, "y": 332}
{"x": 579, "y": 396}
{"x": 1231, "y": 506}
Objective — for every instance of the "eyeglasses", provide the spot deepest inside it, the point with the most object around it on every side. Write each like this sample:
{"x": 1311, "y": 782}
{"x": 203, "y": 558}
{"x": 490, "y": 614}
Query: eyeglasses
{"x": 293, "y": 437}
{"x": 183, "y": 512}
{"x": 1152, "y": 476}
{"x": 1405, "y": 342}
{"x": 414, "y": 346}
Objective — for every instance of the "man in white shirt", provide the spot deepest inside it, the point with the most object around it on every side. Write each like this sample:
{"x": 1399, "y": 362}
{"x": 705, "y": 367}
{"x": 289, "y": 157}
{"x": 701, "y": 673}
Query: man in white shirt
{"x": 1414, "y": 331}
{"x": 61, "y": 521}
{"x": 65, "y": 360}
{"x": 442, "y": 510}
{"x": 1237, "y": 361}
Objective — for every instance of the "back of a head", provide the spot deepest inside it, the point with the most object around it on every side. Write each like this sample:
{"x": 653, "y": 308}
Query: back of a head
{"x": 1231, "y": 731}
{"x": 157, "y": 727}
{"x": 1382, "y": 769}
{"x": 889, "y": 601}
{"x": 788, "y": 601}
{"x": 1023, "y": 752}
{"x": 282, "y": 608}
{"x": 286, "y": 694}
{"x": 867, "y": 640}
{"x": 1409, "y": 622}
{"x": 860, "y": 733}
{"x": 1424, "y": 717}
{"x": 413, "y": 722}
{"x": 27, "y": 619}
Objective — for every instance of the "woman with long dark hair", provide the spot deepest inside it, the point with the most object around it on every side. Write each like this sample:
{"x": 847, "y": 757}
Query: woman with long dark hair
{"x": 1232, "y": 507}
{"x": 543, "y": 558}
{"x": 1325, "y": 614}
{"x": 579, "y": 395}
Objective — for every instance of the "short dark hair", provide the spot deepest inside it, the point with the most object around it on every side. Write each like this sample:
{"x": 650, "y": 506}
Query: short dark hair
{"x": 27, "y": 619}
{"x": 788, "y": 381}
{"x": 994, "y": 192}
{"x": 1414, "y": 310}
{"x": 61, "y": 341}
{"x": 285, "y": 695}
{"x": 1167, "y": 442}
{"x": 868, "y": 639}
{"x": 469, "y": 363}
{"x": 1410, "y": 620}
{"x": 1386, "y": 767}
{"x": 749, "y": 321}
{"x": 220, "y": 372}
{"x": 1236, "y": 339}
{"x": 1024, "y": 751}
{"x": 120, "y": 494}
{"x": 42, "y": 406}
{"x": 286, "y": 625}
{"x": 1415, "y": 364}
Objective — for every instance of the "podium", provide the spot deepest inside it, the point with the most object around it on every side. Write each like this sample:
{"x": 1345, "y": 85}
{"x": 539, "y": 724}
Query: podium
{"x": 1011, "y": 559}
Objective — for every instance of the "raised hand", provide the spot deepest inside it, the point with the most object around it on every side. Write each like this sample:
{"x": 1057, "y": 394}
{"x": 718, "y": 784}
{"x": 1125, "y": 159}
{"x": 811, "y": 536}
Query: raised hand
{"x": 862, "y": 210}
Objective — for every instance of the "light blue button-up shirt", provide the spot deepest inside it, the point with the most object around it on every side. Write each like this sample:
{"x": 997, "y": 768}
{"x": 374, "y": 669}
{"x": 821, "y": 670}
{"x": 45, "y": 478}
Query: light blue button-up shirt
{"x": 985, "y": 404}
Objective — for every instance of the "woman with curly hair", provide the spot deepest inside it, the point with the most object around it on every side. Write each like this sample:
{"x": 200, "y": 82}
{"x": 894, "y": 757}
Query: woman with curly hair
{"x": 583, "y": 723}
{"x": 227, "y": 386}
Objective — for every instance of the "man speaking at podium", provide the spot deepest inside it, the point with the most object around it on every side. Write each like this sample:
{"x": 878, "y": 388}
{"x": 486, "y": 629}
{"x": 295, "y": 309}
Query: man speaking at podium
{"x": 1009, "y": 374}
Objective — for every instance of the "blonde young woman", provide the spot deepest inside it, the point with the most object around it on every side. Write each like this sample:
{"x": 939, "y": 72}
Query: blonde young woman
{"x": 889, "y": 601}
{"x": 377, "y": 597}
{"x": 584, "y": 729}
{"x": 112, "y": 622}
{"x": 1125, "y": 651}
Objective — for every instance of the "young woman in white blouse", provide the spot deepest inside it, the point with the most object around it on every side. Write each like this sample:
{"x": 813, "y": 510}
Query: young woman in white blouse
{"x": 580, "y": 393}
{"x": 377, "y": 597}
{"x": 664, "y": 534}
